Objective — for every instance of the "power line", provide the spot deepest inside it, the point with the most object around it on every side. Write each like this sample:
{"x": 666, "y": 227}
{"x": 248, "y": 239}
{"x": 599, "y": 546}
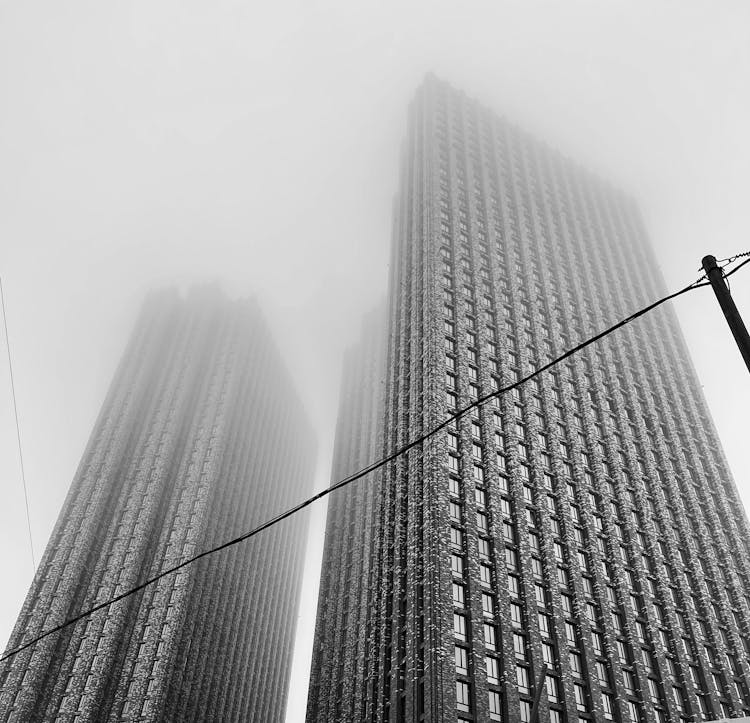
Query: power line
{"x": 361, "y": 473}
{"x": 18, "y": 428}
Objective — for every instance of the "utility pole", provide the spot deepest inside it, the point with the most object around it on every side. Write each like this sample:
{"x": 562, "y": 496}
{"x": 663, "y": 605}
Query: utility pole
{"x": 739, "y": 331}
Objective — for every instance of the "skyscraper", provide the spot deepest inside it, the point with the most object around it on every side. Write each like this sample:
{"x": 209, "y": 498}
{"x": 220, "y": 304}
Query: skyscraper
{"x": 200, "y": 438}
{"x": 585, "y": 524}
{"x": 341, "y": 657}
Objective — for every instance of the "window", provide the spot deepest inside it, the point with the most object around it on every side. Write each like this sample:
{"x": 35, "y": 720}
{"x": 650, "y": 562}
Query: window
{"x": 458, "y": 595}
{"x": 495, "y": 705}
{"x": 516, "y": 615}
{"x": 493, "y": 669}
{"x": 541, "y": 595}
{"x": 459, "y": 626}
{"x": 457, "y": 565}
{"x": 525, "y": 711}
{"x": 463, "y": 696}
{"x": 548, "y": 654}
{"x": 552, "y": 689}
{"x": 622, "y": 651}
{"x": 601, "y": 672}
{"x": 653, "y": 689}
{"x": 543, "y": 623}
{"x": 519, "y": 645}
{"x": 453, "y": 463}
{"x": 488, "y": 604}
{"x": 462, "y": 660}
{"x": 522, "y": 679}
{"x": 454, "y": 509}
{"x": 608, "y": 705}
{"x": 580, "y": 697}
{"x": 484, "y": 547}
{"x": 511, "y": 558}
{"x": 633, "y": 711}
{"x": 482, "y": 522}
{"x": 490, "y": 636}
{"x": 457, "y": 537}
{"x": 575, "y": 664}
{"x": 598, "y": 643}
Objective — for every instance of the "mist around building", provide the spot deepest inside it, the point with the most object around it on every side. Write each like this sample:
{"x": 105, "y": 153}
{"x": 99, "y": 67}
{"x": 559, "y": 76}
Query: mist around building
{"x": 422, "y": 475}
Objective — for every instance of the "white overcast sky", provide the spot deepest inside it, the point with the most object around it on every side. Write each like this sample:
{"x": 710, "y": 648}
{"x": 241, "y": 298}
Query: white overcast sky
{"x": 156, "y": 143}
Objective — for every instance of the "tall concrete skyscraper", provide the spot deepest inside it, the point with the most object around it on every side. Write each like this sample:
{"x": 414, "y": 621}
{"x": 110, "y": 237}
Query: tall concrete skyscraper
{"x": 201, "y": 438}
{"x": 341, "y": 658}
{"x": 585, "y": 523}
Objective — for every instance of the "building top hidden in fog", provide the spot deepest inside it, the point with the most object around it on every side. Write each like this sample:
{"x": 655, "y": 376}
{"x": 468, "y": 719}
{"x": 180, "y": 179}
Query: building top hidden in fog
{"x": 586, "y": 521}
{"x": 200, "y": 438}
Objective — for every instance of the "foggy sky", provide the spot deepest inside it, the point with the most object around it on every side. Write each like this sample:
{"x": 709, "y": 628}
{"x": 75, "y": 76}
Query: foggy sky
{"x": 145, "y": 144}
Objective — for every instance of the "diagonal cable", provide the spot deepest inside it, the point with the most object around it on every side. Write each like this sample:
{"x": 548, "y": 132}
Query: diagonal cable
{"x": 361, "y": 473}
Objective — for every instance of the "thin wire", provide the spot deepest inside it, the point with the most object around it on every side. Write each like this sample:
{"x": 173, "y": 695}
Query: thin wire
{"x": 737, "y": 268}
{"x": 726, "y": 263}
{"x": 18, "y": 427}
{"x": 733, "y": 258}
{"x": 357, "y": 475}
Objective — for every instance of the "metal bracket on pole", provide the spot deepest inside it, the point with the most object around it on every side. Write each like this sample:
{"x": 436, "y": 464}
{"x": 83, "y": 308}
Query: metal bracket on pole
{"x": 739, "y": 331}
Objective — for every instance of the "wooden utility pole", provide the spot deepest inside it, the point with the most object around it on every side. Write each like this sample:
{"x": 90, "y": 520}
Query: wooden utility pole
{"x": 737, "y": 326}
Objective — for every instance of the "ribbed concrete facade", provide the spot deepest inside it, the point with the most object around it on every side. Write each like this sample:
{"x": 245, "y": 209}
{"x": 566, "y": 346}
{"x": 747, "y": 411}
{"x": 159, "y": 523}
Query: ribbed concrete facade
{"x": 586, "y": 521}
{"x": 201, "y": 438}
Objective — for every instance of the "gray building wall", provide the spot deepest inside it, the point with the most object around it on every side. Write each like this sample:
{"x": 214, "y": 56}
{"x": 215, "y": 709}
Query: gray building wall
{"x": 587, "y": 520}
{"x": 344, "y": 626}
{"x": 200, "y": 439}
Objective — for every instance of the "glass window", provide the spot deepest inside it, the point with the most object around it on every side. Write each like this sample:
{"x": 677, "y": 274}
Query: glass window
{"x": 495, "y": 705}
{"x": 490, "y": 636}
{"x": 454, "y": 510}
{"x": 462, "y": 660}
{"x": 543, "y": 624}
{"x": 459, "y": 626}
{"x": 580, "y": 696}
{"x": 463, "y": 701}
{"x": 488, "y": 604}
{"x": 548, "y": 654}
{"x": 525, "y": 711}
{"x": 575, "y": 664}
{"x": 522, "y": 679}
{"x": 552, "y": 689}
{"x": 516, "y": 616}
{"x": 493, "y": 669}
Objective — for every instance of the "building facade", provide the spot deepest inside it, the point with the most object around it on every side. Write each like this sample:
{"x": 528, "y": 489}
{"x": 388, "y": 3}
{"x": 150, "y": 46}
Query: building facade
{"x": 579, "y": 537}
{"x": 200, "y": 439}
{"x": 341, "y": 656}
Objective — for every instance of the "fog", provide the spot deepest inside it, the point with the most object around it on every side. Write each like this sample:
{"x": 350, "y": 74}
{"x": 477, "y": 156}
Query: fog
{"x": 149, "y": 144}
